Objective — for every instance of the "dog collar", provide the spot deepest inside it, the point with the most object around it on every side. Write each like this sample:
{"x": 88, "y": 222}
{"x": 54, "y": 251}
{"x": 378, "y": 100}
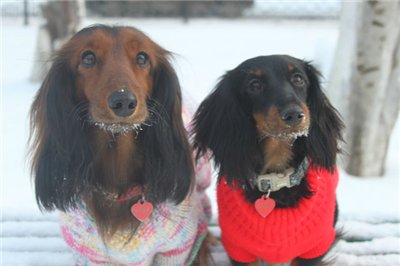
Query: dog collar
{"x": 142, "y": 209}
{"x": 275, "y": 181}
{"x": 129, "y": 194}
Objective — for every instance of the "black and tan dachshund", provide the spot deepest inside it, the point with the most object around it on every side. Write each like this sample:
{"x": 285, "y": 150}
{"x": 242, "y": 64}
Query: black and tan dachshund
{"x": 274, "y": 136}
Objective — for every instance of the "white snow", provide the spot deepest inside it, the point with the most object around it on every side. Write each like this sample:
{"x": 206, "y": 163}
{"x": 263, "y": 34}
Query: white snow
{"x": 362, "y": 231}
{"x": 32, "y": 258}
{"x": 204, "y": 50}
{"x": 381, "y": 246}
{"x": 30, "y": 228}
{"x": 369, "y": 260}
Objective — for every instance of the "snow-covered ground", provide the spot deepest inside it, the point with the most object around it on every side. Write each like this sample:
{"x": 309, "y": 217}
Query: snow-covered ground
{"x": 204, "y": 50}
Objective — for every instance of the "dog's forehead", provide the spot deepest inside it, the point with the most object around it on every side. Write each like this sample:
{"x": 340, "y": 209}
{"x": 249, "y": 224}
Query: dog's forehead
{"x": 132, "y": 35}
{"x": 110, "y": 36}
{"x": 262, "y": 65}
{"x": 93, "y": 39}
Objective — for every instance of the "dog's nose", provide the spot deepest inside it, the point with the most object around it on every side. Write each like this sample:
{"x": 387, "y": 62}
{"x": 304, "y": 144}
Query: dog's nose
{"x": 292, "y": 116}
{"x": 122, "y": 102}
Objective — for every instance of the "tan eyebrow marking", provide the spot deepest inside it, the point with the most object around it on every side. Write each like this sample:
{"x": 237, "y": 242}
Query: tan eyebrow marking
{"x": 257, "y": 72}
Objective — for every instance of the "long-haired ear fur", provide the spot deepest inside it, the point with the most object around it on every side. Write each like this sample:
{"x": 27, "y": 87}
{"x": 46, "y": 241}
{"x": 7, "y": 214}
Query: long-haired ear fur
{"x": 222, "y": 125}
{"x": 59, "y": 149}
{"x": 168, "y": 162}
{"x": 326, "y": 124}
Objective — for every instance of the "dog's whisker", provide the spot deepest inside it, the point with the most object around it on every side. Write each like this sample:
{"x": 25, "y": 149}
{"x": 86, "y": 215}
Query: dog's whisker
{"x": 157, "y": 110}
{"x": 80, "y": 112}
{"x": 146, "y": 124}
{"x": 156, "y": 117}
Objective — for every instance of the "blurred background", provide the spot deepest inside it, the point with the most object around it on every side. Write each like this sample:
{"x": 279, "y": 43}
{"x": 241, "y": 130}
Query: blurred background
{"x": 355, "y": 45}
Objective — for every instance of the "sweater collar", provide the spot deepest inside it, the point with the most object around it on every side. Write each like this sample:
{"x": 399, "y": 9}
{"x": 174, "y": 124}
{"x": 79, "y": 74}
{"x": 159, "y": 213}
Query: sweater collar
{"x": 275, "y": 181}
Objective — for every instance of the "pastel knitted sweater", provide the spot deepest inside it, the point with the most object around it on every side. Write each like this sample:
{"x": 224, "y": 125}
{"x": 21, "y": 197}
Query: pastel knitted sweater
{"x": 306, "y": 231}
{"x": 171, "y": 236}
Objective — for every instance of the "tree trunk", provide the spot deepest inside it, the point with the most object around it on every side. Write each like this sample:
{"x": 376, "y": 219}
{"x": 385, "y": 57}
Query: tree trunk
{"x": 372, "y": 87}
{"x": 26, "y": 13}
{"x": 63, "y": 19}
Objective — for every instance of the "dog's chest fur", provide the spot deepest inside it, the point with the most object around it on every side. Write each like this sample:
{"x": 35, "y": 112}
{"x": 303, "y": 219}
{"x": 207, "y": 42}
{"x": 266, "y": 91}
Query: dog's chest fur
{"x": 277, "y": 155}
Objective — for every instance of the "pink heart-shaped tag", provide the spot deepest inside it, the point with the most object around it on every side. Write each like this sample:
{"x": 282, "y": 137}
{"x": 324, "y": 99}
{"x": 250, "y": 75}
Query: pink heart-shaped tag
{"x": 264, "y": 206}
{"x": 142, "y": 210}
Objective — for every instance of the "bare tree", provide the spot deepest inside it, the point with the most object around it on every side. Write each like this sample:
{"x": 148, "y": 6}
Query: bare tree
{"x": 26, "y": 13}
{"x": 63, "y": 19}
{"x": 366, "y": 81}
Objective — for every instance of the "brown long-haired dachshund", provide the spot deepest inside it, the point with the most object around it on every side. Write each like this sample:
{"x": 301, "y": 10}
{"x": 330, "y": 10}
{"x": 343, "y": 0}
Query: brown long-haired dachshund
{"x": 274, "y": 136}
{"x": 110, "y": 151}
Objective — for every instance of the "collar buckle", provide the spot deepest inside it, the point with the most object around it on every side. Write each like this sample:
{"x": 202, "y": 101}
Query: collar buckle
{"x": 289, "y": 178}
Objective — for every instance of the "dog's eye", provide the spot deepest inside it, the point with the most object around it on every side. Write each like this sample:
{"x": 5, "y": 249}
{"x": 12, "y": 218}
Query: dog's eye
{"x": 142, "y": 59}
{"x": 298, "y": 80}
{"x": 254, "y": 86}
{"x": 88, "y": 59}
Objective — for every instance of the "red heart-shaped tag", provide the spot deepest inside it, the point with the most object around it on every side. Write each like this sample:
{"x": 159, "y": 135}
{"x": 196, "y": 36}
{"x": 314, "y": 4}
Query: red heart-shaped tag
{"x": 142, "y": 210}
{"x": 264, "y": 206}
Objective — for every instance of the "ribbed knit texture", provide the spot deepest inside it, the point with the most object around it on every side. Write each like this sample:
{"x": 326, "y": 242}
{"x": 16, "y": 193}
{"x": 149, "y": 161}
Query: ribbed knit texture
{"x": 306, "y": 231}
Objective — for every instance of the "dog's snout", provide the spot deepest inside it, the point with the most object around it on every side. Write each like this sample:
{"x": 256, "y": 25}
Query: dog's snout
{"x": 293, "y": 115}
{"x": 122, "y": 103}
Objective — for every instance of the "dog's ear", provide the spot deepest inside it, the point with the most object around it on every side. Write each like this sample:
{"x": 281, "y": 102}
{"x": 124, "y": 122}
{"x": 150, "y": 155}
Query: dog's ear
{"x": 168, "y": 161}
{"x": 326, "y": 124}
{"x": 59, "y": 149}
{"x": 222, "y": 125}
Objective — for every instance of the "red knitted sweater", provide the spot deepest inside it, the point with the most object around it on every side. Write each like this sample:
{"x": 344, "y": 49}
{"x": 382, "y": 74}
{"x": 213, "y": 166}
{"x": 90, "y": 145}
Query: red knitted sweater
{"x": 306, "y": 231}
